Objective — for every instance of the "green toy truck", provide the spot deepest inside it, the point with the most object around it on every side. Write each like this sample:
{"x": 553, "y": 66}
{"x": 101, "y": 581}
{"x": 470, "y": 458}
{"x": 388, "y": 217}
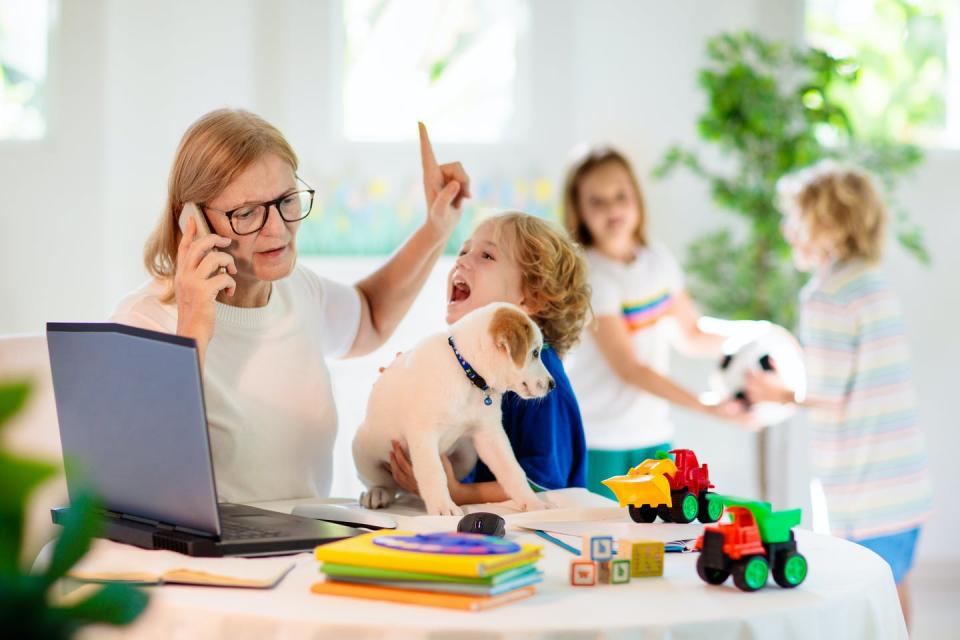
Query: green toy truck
{"x": 756, "y": 540}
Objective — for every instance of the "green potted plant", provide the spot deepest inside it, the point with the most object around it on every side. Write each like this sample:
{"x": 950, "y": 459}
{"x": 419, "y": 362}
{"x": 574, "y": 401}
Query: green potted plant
{"x": 771, "y": 110}
{"x": 28, "y": 606}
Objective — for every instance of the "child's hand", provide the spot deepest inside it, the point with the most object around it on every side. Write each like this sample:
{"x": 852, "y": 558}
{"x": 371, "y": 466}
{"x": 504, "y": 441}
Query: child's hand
{"x": 402, "y": 471}
{"x": 735, "y": 411}
{"x": 767, "y": 386}
{"x": 444, "y": 186}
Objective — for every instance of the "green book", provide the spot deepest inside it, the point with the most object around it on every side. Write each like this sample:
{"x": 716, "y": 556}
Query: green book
{"x": 335, "y": 570}
{"x": 449, "y": 587}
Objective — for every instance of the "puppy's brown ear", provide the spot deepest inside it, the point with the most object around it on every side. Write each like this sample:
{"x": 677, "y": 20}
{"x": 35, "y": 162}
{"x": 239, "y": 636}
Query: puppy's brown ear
{"x": 512, "y": 334}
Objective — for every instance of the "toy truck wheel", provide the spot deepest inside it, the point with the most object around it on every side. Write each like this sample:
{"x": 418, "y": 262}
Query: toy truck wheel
{"x": 643, "y": 513}
{"x": 710, "y": 510}
{"x": 685, "y": 507}
{"x": 751, "y": 573}
{"x": 710, "y": 575}
{"x": 790, "y": 569}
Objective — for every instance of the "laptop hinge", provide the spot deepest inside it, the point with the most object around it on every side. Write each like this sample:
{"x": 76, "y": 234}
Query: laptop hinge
{"x": 162, "y": 526}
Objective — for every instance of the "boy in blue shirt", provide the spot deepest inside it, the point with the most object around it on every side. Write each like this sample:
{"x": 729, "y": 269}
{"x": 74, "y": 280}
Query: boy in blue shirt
{"x": 523, "y": 260}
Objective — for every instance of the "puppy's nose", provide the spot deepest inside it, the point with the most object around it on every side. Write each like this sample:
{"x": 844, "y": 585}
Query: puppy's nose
{"x": 551, "y": 385}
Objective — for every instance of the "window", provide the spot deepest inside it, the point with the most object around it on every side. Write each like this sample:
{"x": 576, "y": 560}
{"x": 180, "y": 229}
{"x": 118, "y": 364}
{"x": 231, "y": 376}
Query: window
{"x": 450, "y": 63}
{"x": 456, "y": 65}
{"x": 908, "y": 53}
{"x": 24, "y": 28}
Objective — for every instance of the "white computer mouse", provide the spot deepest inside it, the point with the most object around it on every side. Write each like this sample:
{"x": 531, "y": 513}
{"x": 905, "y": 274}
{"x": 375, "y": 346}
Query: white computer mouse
{"x": 345, "y": 515}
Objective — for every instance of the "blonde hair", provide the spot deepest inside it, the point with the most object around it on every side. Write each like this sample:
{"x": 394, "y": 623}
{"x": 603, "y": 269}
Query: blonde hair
{"x": 553, "y": 276}
{"x": 841, "y": 205}
{"x": 594, "y": 158}
{"x": 212, "y": 153}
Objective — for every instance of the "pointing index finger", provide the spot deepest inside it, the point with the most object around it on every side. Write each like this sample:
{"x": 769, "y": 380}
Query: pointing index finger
{"x": 426, "y": 151}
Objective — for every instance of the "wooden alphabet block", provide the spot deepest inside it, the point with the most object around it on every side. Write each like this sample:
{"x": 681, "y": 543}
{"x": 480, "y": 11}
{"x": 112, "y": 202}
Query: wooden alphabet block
{"x": 619, "y": 571}
{"x": 583, "y": 573}
{"x": 646, "y": 557}
{"x": 597, "y": 548}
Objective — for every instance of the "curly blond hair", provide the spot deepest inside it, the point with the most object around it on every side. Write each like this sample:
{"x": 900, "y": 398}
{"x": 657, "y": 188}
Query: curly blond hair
{"x": 841, "y": 206}
{"x": 553, "y": 276}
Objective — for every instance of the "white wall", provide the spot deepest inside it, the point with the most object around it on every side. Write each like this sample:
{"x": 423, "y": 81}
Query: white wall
{"x": 51, "y": 197}
{"x": 129, "y": 75}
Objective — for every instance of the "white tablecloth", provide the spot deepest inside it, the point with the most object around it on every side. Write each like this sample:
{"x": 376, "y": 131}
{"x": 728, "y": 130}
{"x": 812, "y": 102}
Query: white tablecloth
{"x": 849, "y": 593}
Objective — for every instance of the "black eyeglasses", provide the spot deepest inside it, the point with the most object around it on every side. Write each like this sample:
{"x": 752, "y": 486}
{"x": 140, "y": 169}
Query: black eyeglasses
{"x": 250, "y": 218}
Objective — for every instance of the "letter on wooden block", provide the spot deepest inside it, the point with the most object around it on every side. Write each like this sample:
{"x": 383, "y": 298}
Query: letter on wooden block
{"x": 597, "y": 548}
{"x": 583, "y": 573}
{"x": 646, "y": 557}
{"x": 620, "y": 571}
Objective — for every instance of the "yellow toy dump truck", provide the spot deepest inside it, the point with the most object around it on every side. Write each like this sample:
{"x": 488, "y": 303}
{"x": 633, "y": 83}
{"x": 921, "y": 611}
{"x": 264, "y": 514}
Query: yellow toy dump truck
{"x": 676, "y": 490}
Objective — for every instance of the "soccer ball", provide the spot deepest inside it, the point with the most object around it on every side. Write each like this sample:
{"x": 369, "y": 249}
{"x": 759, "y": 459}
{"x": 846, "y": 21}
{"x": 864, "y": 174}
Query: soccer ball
{"x": 761, "y": 346}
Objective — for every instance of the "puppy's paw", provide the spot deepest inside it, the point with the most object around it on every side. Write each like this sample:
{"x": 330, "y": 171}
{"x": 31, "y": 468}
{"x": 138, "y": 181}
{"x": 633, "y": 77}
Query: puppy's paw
{"x": 444, "y": 508}
{"x": 376, "y": 498}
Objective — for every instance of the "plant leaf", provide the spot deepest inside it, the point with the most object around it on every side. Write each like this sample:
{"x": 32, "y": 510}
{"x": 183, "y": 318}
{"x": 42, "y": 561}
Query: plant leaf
{"x": 81, "y": 523}
{"x": 116, "y": 604}
{"x": 13, "y": 395}
{"x": 18, "y": 477}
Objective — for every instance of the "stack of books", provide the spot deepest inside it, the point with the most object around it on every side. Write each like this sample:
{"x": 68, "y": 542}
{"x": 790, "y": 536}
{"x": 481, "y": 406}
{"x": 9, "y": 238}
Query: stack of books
{"x": 473, "y": 573}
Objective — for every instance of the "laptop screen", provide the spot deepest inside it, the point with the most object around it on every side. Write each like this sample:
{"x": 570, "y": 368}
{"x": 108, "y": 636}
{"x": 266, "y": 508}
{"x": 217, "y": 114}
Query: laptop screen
{"x": 132, "y": 421}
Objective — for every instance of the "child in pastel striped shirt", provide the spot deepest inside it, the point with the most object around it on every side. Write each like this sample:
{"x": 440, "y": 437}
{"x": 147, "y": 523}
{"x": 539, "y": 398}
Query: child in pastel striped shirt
{"x": 868, "y": 450}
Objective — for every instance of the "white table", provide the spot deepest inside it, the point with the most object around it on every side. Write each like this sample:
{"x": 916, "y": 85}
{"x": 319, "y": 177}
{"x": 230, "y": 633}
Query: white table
{"x": 849, "y": 593}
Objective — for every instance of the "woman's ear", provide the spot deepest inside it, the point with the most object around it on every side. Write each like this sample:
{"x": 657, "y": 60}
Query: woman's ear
{"x": 512, "y": 333}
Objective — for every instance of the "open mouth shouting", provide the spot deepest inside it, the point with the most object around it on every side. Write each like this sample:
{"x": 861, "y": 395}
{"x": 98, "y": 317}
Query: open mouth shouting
{"x": 459, "y": 291}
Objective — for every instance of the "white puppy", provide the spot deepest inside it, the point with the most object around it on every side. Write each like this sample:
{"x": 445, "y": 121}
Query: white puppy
{"x": 434, "y": 402}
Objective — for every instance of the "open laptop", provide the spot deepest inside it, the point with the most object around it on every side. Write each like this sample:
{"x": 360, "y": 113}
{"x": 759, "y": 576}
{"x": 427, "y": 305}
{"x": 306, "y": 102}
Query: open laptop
{"x": 134, "y": 430}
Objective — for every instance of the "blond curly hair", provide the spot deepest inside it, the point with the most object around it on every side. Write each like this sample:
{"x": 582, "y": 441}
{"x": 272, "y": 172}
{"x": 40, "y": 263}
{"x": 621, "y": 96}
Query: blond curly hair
{"x": 553, "y": 275}
{"x": 841, "y": 206}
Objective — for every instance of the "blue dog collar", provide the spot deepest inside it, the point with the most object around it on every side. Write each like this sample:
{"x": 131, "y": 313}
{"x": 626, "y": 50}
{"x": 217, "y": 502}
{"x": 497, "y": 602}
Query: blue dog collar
{"x": 474, "y": 377}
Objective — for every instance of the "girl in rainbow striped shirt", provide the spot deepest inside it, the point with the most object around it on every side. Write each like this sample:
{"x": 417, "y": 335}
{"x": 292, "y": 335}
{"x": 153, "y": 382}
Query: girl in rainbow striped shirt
{"x": 620, "y": 371}
{"x": 868, "y": 451}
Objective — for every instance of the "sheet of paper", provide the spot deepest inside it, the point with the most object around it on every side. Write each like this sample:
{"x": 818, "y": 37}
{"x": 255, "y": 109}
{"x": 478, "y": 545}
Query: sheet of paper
{"x": 662, "y": 532}
{"x": 574, "y": 497}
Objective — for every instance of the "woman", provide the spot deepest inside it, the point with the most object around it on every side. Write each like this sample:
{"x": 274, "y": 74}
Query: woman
{"x": 263, "y": 324}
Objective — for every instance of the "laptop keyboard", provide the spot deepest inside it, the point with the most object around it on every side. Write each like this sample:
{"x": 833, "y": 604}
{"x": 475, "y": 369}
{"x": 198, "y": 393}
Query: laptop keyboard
{"x": 235, "y": 531}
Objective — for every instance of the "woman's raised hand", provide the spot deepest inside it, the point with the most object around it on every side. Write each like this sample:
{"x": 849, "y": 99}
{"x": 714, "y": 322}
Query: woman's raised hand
{"x": 444, "y": 186}
{"x": 198, "y": 281}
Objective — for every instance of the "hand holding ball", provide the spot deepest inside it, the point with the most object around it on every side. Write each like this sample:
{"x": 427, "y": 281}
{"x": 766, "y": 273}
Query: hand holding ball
{"x": 767, "y": 349}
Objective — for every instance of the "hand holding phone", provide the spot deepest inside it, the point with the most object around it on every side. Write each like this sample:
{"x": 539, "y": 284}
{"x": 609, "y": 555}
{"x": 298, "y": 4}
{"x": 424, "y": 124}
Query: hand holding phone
{"x": 202, "y": 274}
{"x": 190, "y": 210}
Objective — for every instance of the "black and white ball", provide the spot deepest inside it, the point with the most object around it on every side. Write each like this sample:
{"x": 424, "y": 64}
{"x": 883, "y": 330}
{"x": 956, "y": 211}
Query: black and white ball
{"x": 759, "y": 348}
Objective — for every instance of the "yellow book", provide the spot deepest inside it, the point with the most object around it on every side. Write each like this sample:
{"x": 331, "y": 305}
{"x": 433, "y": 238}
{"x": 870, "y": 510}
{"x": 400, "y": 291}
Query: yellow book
{"x": 426, "y": 598}
{"x": 361, "y": 551}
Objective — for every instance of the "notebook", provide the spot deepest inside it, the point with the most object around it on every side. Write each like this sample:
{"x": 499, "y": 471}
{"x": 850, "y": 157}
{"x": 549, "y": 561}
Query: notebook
{"x": 361, "y": 551}
{"x": 450, "y": 587}
{"x": 114, "y": 562}
{"x": 338, "y": 571}
{"x": 426, "y": 598}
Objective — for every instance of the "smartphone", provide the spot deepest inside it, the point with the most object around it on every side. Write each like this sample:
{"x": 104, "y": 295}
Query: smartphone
{"x": 190, "y": 210}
